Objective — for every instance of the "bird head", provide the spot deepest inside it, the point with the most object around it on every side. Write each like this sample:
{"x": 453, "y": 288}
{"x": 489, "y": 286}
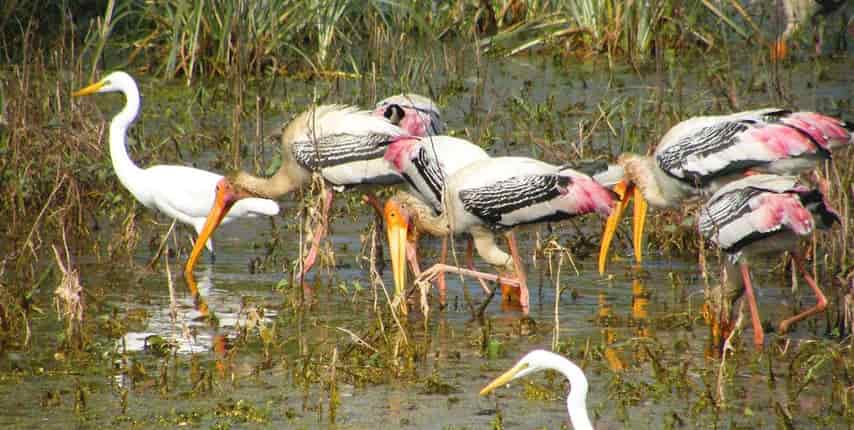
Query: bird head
{"x": 394, "y": 113}
{"x": 626, "y": 189}
{"x": 226, "y": 196}
{"x": 532, "y": 362}
{"x": 398, "y": 222}
{"x": 116, "y": 81}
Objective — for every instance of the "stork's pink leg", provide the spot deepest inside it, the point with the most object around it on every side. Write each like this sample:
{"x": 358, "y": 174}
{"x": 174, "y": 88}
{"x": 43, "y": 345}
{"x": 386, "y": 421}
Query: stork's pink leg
{"x": 412, "y": 257}
{"x": 439, "y": 268}
{"x": 758, "y": 333}
{"x": 821, "y": 301}
{"x": 319, "y": 233}
{"x": 524, "y": 298}
{"x": 470, "y": 253}
{"x": 440, "y": 279}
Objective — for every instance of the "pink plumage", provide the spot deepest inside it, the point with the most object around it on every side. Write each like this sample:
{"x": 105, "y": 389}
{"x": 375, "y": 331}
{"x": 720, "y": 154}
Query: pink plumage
{"x": 398, "y": 151}
{"x": 587, "y": 196}
{"x": 781, "y": 140}
{"x": 773, "y": 211}
{"x": 827, "y": 131}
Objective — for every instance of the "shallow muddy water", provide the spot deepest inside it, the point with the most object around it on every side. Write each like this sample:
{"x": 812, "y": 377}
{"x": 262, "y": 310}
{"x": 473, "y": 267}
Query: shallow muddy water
{"x": 291, "y": 362}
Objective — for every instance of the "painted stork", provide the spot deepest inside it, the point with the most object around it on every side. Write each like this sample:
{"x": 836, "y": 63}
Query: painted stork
{"x": 795, "y": 13}
{"x": 341, "y": 143}
{"x": 537, "y": 360}
{"x": 490, "y": 196}
{"x": 698, "y": 156}
{"x": 424, "y": 163}
{"x": 180, "y": 192}
{"x": 416, "y": 114}
{"x": 762, "y": 214}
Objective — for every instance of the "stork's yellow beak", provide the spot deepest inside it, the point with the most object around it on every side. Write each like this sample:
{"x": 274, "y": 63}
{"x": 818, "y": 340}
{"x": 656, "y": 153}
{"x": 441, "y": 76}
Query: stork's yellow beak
{"x": 223, "y": 201}
{"x": 91, "y": 89}
{"x": 638, "y": 223}
{"x": 623, "y": 190}
{"x": 505, "y": 378}
{"x": 396, "y": 227}
{"x": 626, "y": 191}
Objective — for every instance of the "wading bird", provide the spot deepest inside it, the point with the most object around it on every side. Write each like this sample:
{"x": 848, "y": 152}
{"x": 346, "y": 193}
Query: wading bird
{"x": 490, "y": 196}
{"x": 416, "y": 114}
{"x": 795, "y": 13}
{"x": 537, "y": 360}
{"x": 424, "y": 163}
{"x": 698, "y": 156}
{"x": 765, "y": 214}
{"x": 180, "y": 192}
{"x": 344, "y": 145}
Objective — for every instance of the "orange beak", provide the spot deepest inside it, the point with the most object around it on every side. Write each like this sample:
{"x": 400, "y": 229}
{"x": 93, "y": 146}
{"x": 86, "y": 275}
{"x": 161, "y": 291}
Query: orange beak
{"x": 223, "y": 201}
{"x": 625, "y": 190}
{"x": 397, "y": 226}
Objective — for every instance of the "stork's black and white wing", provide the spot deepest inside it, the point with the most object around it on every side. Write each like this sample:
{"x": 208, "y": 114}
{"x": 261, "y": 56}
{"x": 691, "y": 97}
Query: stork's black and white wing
{"x": 346, "y": 146}
{"x": 702, "y": 149}
{"x": 509, "y": 191}
{"x": 759, "y": 207}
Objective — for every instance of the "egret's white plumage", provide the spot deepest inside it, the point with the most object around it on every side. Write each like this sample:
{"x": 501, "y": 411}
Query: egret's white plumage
{"x": 538, "y": 360}
{"x": 180, "y": 192}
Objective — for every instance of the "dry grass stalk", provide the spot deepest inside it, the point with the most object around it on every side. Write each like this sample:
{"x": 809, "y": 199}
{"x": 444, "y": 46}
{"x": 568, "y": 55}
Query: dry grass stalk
{"x": 68, "y": 296}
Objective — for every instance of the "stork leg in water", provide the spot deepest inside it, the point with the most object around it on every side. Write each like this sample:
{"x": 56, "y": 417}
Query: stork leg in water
{"x": 319, "y": 233}
{"x": 758, "y": 333}
{"x": 520, "y": 293}
{"x": 821, "y": 301}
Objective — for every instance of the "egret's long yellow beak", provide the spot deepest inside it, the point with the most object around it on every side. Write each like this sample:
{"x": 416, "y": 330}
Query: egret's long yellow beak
{"x": 626, "y": 191}
{"x": 396, "y": 228}
{"x": 91, "y": 89}
{"x": 220, "y": 208}
{"x": 505, "y": 378}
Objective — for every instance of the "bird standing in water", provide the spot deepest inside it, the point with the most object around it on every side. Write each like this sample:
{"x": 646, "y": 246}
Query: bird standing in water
{"x": 342, "y": 144}
{"x": 698, "y": 156}
{"x": 765, "y": 214}
{"x": 425, "y": 163}
{"x": 180, "y": 192}
{"x": 491, "y": 196}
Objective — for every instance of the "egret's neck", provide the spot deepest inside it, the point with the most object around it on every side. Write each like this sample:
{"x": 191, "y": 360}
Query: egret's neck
{"x": 125, "y": 168}
{"x": 576, "y": 401}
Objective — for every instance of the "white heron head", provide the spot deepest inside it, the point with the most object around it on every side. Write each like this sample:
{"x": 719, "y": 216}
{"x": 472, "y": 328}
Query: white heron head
{"x": 114, "y": 82}
{"x": 532, "y": 362}
{"x": 537, "y": 360}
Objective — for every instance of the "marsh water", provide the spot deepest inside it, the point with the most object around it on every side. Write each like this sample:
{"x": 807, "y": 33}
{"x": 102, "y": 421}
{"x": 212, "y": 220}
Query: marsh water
{"x": 276, "y": 357}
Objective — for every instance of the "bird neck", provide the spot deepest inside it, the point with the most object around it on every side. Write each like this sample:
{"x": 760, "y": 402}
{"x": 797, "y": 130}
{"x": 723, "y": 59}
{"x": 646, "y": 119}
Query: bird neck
{"x": 423, "y": 217}
{"x": 286, "y": 179}
{"x": 576, "y": 401}
{"x": 125, "y": 168}
{"x": 657, "y": 188}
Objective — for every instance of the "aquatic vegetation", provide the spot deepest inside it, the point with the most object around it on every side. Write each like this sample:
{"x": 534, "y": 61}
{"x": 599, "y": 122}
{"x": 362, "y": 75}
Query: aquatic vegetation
{"x": 559, "y": 81}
